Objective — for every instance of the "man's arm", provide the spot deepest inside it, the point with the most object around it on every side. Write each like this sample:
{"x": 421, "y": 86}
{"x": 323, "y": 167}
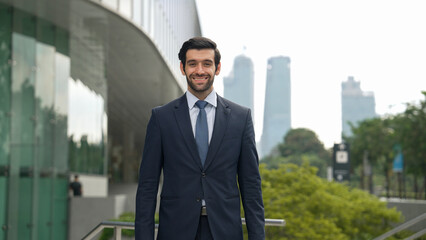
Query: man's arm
{"x": 149, "y": 175}
{"x": 250, "y": 184}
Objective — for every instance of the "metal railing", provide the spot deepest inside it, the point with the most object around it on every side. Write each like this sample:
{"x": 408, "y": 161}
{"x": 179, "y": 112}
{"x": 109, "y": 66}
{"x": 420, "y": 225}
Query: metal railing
{"x": 405, "y": 226}
{"x": 118, "y": 226}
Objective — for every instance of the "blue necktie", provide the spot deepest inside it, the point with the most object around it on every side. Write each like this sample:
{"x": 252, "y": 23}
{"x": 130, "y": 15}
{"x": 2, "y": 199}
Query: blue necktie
{"x": 201, "y": 131}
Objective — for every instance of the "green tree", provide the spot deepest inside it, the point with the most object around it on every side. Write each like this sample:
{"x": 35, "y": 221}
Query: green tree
{"x": 316, "y": 209}
{"x": 302, "y": 141}
{"x": 300, "y": 146}
{"x": 373, "y": 139}
{"x": 411, "y": 132}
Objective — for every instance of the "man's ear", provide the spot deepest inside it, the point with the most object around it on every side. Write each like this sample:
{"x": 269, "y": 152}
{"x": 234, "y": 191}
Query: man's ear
{"x": 218, "y": 69}
{"x": 182, "y": 70}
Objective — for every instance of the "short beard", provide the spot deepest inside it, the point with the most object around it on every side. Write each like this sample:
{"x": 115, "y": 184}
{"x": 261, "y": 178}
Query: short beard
{"x": 206, "y": 87}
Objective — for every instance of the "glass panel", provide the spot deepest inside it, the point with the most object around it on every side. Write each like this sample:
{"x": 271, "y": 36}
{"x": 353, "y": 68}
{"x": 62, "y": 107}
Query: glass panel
{"x": 60, "y": 208}
{"x": 24, "y": 211}
{"x": 85, "y": 126}
{"x": 44, "y": 89}
{"x": 62, "y": 74}
{"x": 44, "y": 94}
{"x": 5, "y": 84}
{"x": 44, "y": 213}
{"x": 3, "y": 192}
{"x": 5, "y": 88}
{"x": 62, "y": 41}
{"x": 38, "y": 128}
{"x": 22, "y": 126}
{"x": 22, "y": 123}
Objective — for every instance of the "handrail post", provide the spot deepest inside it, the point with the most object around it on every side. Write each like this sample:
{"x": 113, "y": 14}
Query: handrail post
{"x": 118, "y": 226}
{"x": 401, "y": 227}
{"x": 117, "y": 231}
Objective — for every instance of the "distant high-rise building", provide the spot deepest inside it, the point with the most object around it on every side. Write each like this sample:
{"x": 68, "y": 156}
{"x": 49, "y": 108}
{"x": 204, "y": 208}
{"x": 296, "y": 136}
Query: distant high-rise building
{"x": 277, "y": 111}
{"x": 239, "y": 85}
{"x": 357, "y": 105}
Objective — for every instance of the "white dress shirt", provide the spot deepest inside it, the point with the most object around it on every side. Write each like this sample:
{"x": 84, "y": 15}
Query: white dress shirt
{"x": 210, "y": 109}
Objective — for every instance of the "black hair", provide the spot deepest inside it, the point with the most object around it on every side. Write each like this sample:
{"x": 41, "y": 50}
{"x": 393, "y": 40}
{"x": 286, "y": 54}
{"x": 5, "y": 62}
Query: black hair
{"x": 199, "y": 43}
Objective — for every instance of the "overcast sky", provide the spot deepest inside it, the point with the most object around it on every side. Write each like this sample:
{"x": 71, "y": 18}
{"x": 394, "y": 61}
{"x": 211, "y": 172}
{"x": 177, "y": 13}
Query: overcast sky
{"x": 381, "y": 43}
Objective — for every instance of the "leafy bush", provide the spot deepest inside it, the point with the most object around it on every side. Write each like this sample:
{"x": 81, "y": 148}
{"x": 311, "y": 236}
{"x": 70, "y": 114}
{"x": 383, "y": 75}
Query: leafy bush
{"x": 316, "y": 209}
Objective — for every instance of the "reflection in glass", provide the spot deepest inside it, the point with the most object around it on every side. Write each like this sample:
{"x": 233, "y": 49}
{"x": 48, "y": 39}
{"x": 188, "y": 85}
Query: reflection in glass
{"x": 23, "y": 112}
{"x": 20, "y": 189}
{"x": 42, "y": 178}
{"x": 5, "y": 86}
{"x": 44, "y": 89}
{"x": 49, "y": 124}
{"x": 5, "y": 81}
{"x": 85, "y": 129}
{"x": 62, "y": 73}
{"x": 38, "y": 106}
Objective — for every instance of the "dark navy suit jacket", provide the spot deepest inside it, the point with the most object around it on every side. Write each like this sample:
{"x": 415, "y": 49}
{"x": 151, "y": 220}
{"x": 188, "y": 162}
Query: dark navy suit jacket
{"x": 230, "y": 172}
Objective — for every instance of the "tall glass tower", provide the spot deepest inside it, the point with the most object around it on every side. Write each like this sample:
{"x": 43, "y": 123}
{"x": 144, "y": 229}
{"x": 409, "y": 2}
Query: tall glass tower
{"x": 277, "y": 111}
{"x": 357, "y": 105}
{"x": 239, "y": 85}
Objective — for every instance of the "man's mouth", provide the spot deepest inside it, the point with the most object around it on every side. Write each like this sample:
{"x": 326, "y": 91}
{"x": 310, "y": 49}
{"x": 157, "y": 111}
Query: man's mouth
{"x": 200, "y": 78}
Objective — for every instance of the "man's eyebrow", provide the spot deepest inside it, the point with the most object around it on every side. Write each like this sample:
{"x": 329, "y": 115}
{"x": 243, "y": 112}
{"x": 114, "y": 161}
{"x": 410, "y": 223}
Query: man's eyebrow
{"x": 205, "y": 60}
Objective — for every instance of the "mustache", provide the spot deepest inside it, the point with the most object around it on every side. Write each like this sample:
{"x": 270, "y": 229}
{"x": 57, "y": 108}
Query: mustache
{"x": 199, "y": 75}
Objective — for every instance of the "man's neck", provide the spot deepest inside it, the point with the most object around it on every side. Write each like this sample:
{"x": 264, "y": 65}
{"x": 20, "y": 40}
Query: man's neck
{"x": 201, "y": 95}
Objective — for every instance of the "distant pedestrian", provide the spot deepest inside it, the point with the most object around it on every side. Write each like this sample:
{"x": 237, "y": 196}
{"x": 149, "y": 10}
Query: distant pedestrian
{"x": 76, "y": 187}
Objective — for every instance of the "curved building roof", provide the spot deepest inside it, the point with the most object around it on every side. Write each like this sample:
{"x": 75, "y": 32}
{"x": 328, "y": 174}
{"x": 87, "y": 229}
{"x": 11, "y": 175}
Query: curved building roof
{"x": 138, "y": 75}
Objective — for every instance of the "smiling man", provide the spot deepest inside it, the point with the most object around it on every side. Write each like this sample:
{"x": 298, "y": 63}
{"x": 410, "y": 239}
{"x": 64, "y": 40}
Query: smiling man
{"x": 205, "y": 146}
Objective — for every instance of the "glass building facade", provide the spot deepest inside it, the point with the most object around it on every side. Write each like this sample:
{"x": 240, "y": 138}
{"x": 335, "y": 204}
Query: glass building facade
{"x": 50, "y": 125}
{"x": 78, "y": 80}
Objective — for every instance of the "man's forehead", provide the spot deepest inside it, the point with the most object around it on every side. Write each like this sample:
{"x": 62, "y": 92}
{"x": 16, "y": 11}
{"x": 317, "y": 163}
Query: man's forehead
{"x": 200, "y": 55}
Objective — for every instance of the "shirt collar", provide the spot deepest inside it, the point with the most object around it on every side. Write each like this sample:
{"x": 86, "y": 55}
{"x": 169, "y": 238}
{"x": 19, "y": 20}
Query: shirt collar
{"x": 191, "y": 99}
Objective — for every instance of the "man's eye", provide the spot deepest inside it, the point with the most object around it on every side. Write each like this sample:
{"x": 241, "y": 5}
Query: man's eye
{"x": 192, "y": 64}
{"x": 207, "y": 64}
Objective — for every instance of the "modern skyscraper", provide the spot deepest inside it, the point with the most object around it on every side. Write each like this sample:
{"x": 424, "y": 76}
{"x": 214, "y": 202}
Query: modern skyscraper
{"x": 277, "y": 111}
{"x": 239, "y": 85}
{"x": 357, "y": 105}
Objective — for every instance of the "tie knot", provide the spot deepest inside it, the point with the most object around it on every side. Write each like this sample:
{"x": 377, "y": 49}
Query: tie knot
{"x": 201, "y": 104}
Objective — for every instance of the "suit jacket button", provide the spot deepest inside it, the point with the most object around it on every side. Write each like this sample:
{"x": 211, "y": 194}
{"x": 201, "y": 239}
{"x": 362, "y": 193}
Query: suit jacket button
{"x": 203, "y": 174}
{"x": 198, "y": 199}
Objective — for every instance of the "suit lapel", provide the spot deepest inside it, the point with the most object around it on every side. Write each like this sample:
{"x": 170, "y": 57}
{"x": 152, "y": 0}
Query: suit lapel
{"x": 184, "y": 122}
{"x": 220, "y": 124}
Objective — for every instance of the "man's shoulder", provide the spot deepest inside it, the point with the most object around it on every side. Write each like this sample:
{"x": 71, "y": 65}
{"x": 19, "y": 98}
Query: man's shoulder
{"x": 232, "y": 105}
{"x": 170, "y": 105}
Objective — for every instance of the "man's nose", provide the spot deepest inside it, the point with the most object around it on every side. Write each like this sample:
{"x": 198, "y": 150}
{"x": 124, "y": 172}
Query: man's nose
{"x": 199, "y": 68}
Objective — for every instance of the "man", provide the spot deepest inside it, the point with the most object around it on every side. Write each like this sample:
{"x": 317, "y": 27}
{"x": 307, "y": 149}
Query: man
{"x": 207, "y": 152}
{"x": 76, "y": 187}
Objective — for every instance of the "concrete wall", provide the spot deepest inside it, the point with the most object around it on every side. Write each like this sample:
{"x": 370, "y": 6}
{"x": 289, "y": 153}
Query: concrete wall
{"x": 85, "y": 213}
{"x": 127, "y": 189}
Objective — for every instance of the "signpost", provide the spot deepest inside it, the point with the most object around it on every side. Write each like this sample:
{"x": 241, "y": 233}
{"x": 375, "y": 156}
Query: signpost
{"x": 341, "y": 162}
